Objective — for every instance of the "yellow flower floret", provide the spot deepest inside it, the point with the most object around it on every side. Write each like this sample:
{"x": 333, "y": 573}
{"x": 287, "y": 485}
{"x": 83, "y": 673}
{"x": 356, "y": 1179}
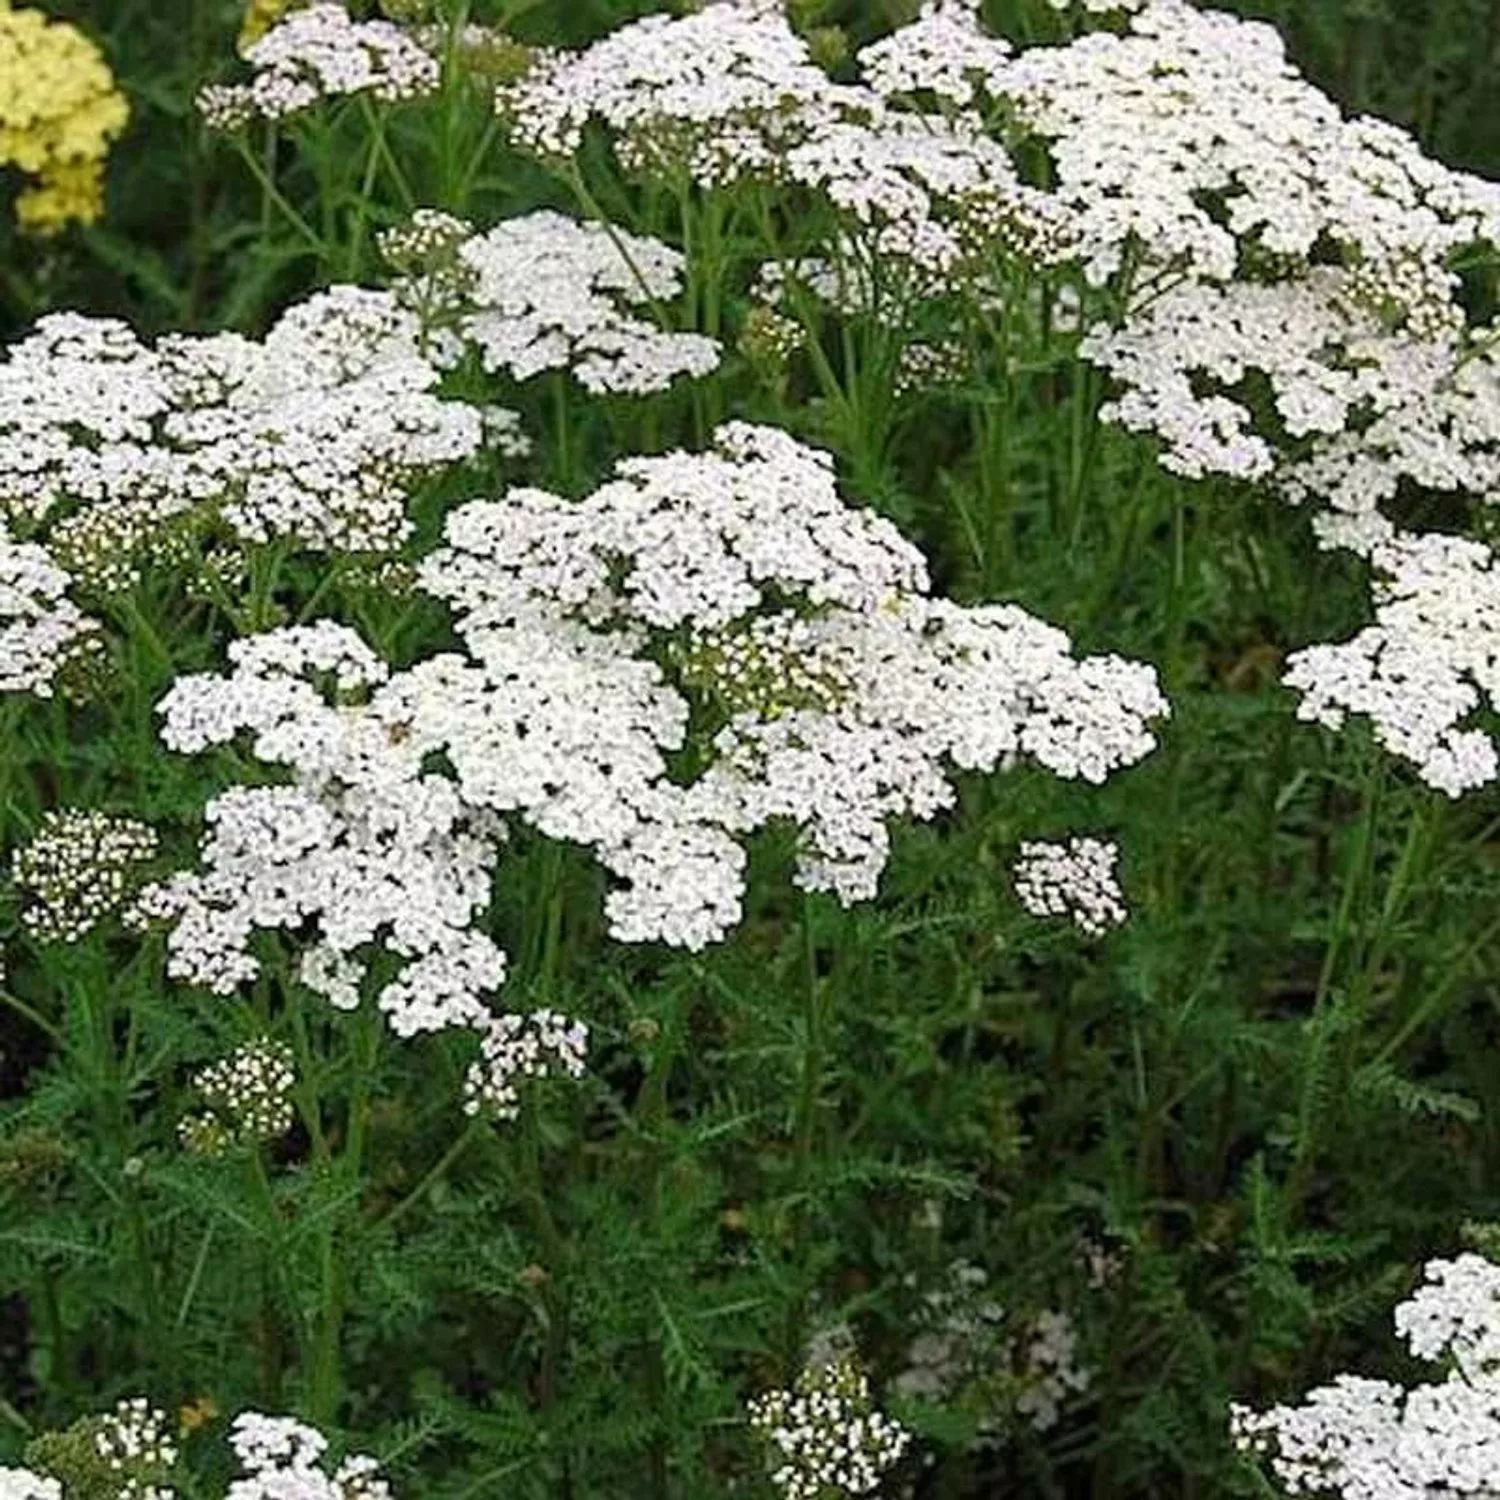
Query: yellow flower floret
{"x": 260, "y": 17}
{"x": 59, "y": 110}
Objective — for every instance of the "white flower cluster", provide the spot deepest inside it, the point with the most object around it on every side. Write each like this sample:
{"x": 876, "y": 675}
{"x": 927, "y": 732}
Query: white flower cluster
{"x": 1049, "y": 1360}
{"x": 1362, "y": 1439}
{"x": 1431, "y": 658}
{"x": 748, "y": 553}
{"x": 731, "y": 92}
{"x": 41, "y": 629}
{"x": 367, "y": 848}
{"x": 1075, "y": 880}
{"x": 516, "y": 1046}
{"x": 249, "y": 1098}
{"x": 722, "y": 92}
{"x": 544, "y": 292}
{"x": 1150, "y": 130}
{"x": 968, "y": 1338}
{"x": 317, "y": 53}
{"x": 22, "y": 1484}
{"x": 282, "y": 1459}
{"x": 79, "y": 867}
{"x": 365, "y": 844}
{"x": 133, "y": 1437}
{"x": 313, "y": 434}
{"x": 964, "y": 1336}
{"x": 827, "y": 1437}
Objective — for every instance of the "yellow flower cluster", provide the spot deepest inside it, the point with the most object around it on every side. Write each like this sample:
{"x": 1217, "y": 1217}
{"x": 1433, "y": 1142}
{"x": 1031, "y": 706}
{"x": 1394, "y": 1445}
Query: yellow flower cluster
{"x": 59, "y": 110}
{"x": 260, "y": 17}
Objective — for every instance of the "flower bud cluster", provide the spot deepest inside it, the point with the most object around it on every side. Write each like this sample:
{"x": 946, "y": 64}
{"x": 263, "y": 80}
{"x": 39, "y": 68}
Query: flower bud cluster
{"x": 132, "y": 1440}
{"x": 826, "y": 1437}
{"x": 249, "y": 1098}
{"x": 1362, "y": 1439}
{"x": 319, "y": 53}
{"x": 79, "y": 868}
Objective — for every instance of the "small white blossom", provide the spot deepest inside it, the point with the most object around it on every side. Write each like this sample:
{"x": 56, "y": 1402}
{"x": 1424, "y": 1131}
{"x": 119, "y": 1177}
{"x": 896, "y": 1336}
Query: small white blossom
{"x": 1074, "y": 880}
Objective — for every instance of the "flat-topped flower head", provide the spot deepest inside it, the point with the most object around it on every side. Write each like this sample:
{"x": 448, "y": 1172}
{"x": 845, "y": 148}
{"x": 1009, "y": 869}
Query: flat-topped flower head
{"x": 1075, "y": 879}
{"x": 41, "y": 630}
{"x": 824, "y": 1436}
{"x": 717, "y": 94}
{"x": 314, "y": 434}
{"x": 1362, "y": 1439}
{"x": 368, "y": 851}
{"x": 1429, "y": 661}
{"x": 790, "y": 634}
{"x": 319, "y": 53}
{"x": 544, "y": 292}
{"x": 284, "y": 1459}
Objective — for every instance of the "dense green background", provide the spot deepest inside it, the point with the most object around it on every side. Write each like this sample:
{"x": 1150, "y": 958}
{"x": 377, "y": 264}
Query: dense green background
{"x": 1269, "y": 1092}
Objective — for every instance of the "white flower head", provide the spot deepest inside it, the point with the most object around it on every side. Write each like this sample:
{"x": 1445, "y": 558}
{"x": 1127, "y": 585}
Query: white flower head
{"x": 544, "y": 292}
{"x": 1075, "y": 879}
{"x": 824, "y": 1435}
{"x": 1427, "y": 663}
{"x": 1362, "y": 1439}
{"x": 315, "y": 53}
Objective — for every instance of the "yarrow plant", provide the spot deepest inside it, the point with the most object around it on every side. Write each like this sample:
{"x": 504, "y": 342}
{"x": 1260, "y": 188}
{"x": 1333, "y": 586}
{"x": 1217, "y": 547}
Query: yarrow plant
{"x": 318, "y": 53}
{"x": 844, "y": 687}
{"x": 1363, "y": 1439}
{"x": 59, "y": 111}
{"x": 313, "y": 435}
{"x": 542, "y": 292}
{"x": 1431, "y": 658}
{"x": 375, "y": 852}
